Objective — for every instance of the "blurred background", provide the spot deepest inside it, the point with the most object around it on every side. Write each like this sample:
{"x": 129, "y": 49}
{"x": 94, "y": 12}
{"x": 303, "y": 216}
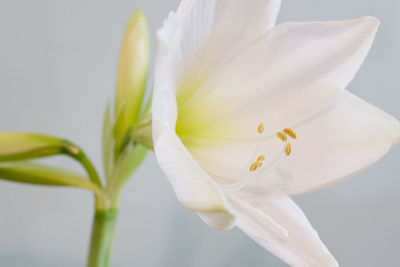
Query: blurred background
{"x": 58, "y": 64}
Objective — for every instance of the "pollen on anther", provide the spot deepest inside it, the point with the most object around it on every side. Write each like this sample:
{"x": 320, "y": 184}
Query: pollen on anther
{"x": 290, "y": 132}
{"x": 288, "y": 149}
{"x": 260, "y": 128}
{"x": 255, "y": 166}
{"x": 261, "y": 158}
{"x": 281, "y": 136}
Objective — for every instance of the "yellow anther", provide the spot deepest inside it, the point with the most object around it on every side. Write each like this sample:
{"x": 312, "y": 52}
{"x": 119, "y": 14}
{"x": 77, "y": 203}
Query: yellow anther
{"x": 259, "y": 164}
{"x": 260, "y": 128}
{"x": 255, "y": 166}
{"x": 281, "y": 136}
{"x": 288, "y": 149}
{"x": 261, "y": 158}
{"x": 290, "y": 132}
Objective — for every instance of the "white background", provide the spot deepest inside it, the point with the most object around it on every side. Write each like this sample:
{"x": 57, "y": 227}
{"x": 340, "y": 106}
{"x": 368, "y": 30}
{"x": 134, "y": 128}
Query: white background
{"x": 58, "y": 62}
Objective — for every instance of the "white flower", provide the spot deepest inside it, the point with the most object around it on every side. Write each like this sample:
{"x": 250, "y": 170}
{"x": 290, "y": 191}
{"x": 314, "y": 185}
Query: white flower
{"x": 246, "y": 113}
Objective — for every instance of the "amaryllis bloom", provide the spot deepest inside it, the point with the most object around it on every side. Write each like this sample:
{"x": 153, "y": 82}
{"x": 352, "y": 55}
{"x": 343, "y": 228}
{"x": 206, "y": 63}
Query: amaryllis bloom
{"x": 246, "y": 113}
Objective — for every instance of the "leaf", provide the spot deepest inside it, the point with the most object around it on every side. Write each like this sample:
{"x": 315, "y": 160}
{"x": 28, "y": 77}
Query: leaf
{"x": 130, "y": 161}
{"x": 147, "y": 109}
{"x": 108, "y": 144}
{"x": 142, "y": 133}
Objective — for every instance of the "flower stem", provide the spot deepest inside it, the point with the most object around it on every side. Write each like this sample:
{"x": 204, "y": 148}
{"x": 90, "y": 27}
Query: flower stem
{"x": 102, "y": 237}
{"x": 75, "y": 152}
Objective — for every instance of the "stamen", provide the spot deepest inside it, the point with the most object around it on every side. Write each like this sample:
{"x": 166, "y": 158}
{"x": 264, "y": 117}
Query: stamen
{"x": 261, "y": 158}
{"x": 281, "y": 136}
{"x": 260, "y": 128}
{"x": 288, "y": 149}
{"x": 255, "y": 166}
{"x": 290, "y": 132}
{"x": 273, "y": 160}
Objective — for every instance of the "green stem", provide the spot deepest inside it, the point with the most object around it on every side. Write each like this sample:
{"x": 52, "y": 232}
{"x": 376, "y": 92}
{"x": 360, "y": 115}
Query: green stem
{"x": 91, "y": 170}
{"x": 102, "y": 237}
{"x": 75, "y": 152}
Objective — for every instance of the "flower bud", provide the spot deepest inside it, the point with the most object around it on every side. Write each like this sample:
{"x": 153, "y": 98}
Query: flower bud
{"x": 22, "y": 146}
{"x": 132, "y": 75}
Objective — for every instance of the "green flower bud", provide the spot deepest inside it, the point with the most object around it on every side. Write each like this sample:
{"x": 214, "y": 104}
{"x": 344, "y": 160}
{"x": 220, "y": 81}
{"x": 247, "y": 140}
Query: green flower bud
{"x": 132, "y": 75}
{"x": 22, "y": 146}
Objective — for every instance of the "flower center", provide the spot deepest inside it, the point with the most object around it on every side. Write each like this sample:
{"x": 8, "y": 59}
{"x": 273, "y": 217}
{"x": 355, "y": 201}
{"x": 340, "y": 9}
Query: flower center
{"x": 284, "y": 136}
{"x": 258, "y": 167}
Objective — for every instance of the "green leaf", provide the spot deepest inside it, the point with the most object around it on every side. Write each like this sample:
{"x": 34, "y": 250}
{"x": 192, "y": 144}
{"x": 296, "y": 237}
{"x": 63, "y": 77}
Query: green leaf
{"x": 142, "y": 134}
{"x": 22, "y": 146}
{"x": 146, "y": 111}
{"x": 126, "y": 165}
{"x": 108, "y": 143}
{"x": 38, "y": 174}
{"x": 131, "y": 161}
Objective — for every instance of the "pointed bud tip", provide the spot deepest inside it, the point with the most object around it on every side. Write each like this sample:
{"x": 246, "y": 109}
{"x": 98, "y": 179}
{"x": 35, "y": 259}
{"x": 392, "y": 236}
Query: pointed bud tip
{"x": 137, "y": 17}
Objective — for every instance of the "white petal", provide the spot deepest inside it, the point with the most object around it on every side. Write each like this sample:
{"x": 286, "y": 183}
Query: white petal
{"x": 339, "y": 142}
{"x": 295, "y": 86}
{"x": 193, "y": 187}
{"x": 275, "y": 222}
{"x": 204, "y": 33}
{"x": 293, "y": 72}
{"x": 218, "y": 220}
{"x": 194, "y": 29}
